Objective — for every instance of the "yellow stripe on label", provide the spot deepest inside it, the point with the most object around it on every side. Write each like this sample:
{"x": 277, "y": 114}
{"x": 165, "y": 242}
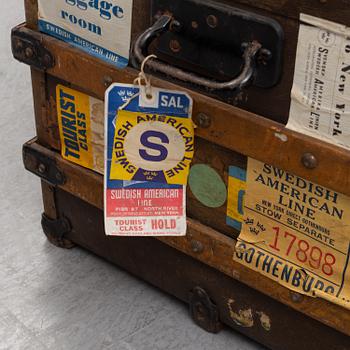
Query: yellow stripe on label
{"x": 152, "y": 147}
{"x": 74, "y": 120}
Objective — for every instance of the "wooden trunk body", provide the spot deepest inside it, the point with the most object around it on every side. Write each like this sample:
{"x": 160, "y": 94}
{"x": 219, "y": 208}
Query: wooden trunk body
{"x": 272, "y": 103}
{"x": 232, "y": 134}
{"x": 267, "y": 321}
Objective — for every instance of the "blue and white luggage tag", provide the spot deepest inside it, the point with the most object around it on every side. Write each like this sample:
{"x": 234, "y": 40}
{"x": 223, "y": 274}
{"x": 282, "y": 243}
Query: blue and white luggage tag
{"x": 147, "y": 141}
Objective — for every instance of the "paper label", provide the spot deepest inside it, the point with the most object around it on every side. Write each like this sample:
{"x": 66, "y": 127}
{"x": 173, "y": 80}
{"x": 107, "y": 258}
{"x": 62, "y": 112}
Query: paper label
{"x": 141, "y": 208}
{"x": 80, "y": 120}
{"x": 295, "y": 232}
{"x": 320, "y": 104}
{"x": 235, "y": 198}
{"x": 101, "y": 28}
{"x": 152, "y": 147}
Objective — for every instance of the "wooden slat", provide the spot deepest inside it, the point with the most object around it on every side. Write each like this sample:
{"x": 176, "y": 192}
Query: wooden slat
{"x": 31, "y": 11}
{"x": 40, "y": 106}
{"x": 274, "y": 102}
{"x": 217, "y": 251}
{"x": 231, "y": 127}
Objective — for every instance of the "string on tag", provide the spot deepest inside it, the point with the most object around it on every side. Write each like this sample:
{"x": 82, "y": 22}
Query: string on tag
{"x": 142, "y": 77}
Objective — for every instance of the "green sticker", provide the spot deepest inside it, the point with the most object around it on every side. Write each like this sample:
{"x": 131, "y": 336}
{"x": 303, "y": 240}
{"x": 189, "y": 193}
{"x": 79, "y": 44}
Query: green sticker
{"x": 207, "y": 186}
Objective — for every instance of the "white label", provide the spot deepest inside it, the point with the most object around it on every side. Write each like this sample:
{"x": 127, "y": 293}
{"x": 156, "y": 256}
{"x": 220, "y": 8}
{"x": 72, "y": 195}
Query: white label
{"x": 320, "y": 104}
{"x": 101, "y": 28}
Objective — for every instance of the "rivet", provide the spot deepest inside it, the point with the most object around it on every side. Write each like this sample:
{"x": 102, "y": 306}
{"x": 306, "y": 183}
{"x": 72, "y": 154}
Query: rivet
{"x": 203, "y": 120}
{"x": 194, "y": 24}
{"x": 265, "y": 55}
{"x": 197, "y": 247}
{"x": 18, "y": 44}
{"x": 41, "y": 168}
{"x": 47, "y": 60}
{"x": 212, "y": 21}
{"x": 309, "y": 161}
{"x": 59, "y": 177}
{"x": 175, "y": 46}
{"x": 296, "y": 297}
{"x": 107, "y": 81}
{"x": 176, "y": 26}
{"x": 29, "y": 52}
{"x": 200, "y": 310}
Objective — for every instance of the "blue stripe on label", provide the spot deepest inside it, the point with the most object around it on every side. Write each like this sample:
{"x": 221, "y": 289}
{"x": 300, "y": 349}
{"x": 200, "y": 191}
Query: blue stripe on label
{"x": 85, "y": 45}
{"x": 233, "y": 223}
{"x": 238, "y": 173}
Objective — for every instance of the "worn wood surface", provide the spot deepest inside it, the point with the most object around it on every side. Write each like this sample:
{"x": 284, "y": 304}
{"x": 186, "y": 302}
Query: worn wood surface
{"x": 40, "y": 106}
{"x": 231, "y": 127}
{"x": 246, "y": 310}
{"x": 31, "y": 12}
{"x": 217, "y": 248}
{"x": 49, "y": 200}
{"x": 141, "y": 17}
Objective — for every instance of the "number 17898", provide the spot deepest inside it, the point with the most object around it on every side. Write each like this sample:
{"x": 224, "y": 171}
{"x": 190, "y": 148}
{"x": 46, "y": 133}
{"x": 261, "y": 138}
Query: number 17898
{"x": 303, "y": 251}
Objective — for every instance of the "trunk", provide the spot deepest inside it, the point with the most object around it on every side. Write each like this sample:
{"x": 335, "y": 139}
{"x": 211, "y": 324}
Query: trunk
{"x": 207, "y": 39}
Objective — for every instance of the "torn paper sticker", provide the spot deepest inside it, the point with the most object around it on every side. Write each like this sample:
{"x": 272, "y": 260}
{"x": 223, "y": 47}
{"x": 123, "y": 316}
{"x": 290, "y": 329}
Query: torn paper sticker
{"x": 320, "y": 105}
{"x": 295, "y": 232}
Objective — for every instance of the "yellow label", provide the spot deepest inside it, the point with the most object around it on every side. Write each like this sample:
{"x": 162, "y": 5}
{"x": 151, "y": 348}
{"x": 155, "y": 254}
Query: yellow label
{"x": 296, "y": 232}
{"x": 152, "y": 147}
{"x": 79, "y": 119}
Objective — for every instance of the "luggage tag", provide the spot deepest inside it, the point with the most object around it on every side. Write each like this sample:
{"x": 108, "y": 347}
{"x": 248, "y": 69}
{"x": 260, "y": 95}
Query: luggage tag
{"x": 149, "y": 148}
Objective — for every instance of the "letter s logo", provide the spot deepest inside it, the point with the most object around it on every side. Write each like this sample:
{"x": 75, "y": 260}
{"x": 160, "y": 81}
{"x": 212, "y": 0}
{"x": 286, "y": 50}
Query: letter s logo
{"x": 163, "y": 152}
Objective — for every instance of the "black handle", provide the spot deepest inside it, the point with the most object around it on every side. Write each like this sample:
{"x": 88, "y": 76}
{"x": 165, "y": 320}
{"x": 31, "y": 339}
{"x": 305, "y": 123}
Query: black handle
{"x": 162, "y": 25}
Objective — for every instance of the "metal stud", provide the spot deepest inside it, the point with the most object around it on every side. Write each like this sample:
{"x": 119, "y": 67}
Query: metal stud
{"x": 18, "y": 44}
{"x": 47, "y": 60}
{"x": 203, "y": 120}
{"x": 107, "y": 81}
{"x": 194, "y": 25}
{"x": 197, "y": 247}
{"x": 309, "y": 161}
{"x": 175, "y": 46}
{"x": 59, "y": 177}
{"x": 41, "y": 168}
{"x": 29, "y": 52}
{"x": 212, "y": 21}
